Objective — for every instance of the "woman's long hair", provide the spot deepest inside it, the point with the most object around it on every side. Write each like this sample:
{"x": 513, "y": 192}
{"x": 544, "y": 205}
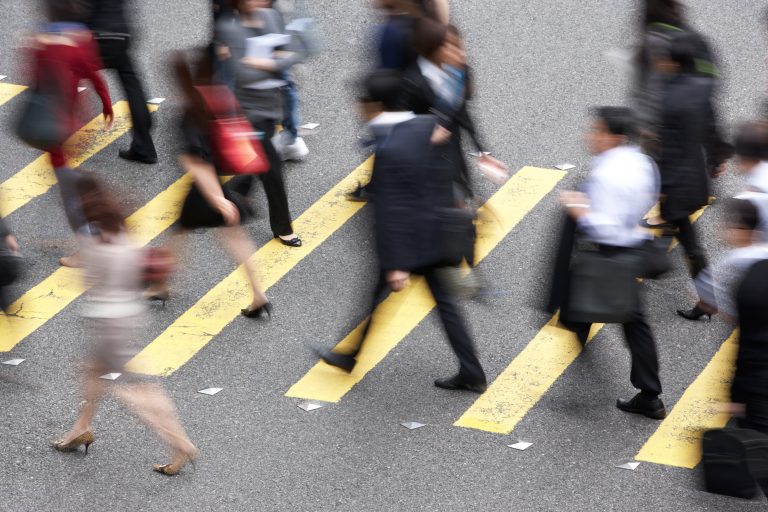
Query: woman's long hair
{"x": 100, "y": 207}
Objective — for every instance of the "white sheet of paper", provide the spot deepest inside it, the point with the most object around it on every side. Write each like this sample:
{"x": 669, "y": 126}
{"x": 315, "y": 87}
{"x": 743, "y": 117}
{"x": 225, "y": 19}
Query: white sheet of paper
{"x": 262, "y": 47}
{"x": 14, "y": 362}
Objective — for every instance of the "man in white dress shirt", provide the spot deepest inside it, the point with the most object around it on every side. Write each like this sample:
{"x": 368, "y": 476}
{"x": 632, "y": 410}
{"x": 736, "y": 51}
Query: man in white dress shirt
{"x": 622, "y": 186}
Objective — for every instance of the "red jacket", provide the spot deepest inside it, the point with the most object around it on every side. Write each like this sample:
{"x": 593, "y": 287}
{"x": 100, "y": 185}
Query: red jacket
{"x": 59, "y": 66}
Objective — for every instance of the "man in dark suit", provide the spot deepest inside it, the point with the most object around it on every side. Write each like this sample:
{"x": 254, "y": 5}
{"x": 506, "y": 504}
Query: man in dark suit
{"x": 414, "y": 205}
{"x": 110, "y": 26}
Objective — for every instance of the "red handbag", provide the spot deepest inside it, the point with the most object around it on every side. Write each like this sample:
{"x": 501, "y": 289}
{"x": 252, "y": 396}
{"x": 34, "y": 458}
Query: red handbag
{"x": 235, "y": 146}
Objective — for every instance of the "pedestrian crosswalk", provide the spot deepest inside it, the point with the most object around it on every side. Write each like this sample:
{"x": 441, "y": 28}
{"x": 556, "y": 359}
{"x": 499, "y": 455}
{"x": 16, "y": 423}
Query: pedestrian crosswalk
{"x": 513, "y": 393}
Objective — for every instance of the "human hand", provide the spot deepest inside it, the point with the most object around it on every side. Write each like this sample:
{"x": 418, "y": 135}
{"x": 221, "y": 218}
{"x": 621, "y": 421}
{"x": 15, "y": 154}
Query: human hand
{"x": 733, "y": 409}
{"x": 12, "y": 244}
{"x": 720, "y": 170}
{"x": 494, "y": 170}
{"x": 398, "y": 279}
{"x": 109, "y": 120}
{"x": 440, "y": 136}
{"x": 575, "y": 203}
{"x": 228, "y": 211}
{"x": 260, "y": 64}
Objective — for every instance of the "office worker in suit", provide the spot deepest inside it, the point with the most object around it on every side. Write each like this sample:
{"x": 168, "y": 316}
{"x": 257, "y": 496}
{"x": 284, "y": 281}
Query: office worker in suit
{"x": 691, "y": 149}
{"x": 414, "y": 188}
{"x": 622, "y": 186}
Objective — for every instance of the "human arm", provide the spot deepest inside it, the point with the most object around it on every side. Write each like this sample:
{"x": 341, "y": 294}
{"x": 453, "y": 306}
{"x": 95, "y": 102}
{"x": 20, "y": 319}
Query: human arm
{"x": 91, "y": 65}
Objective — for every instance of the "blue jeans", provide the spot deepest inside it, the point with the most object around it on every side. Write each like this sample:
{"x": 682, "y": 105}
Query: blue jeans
{"x": 290, "y": 109}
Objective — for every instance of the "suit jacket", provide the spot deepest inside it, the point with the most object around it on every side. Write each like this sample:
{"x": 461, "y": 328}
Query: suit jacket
{"x": 107, "y": 17}
{"x": 413, "y": 187}
{"x": 691, "y": 145}
{"x": 750, "y": 380}
{"x": 418, "y": 96}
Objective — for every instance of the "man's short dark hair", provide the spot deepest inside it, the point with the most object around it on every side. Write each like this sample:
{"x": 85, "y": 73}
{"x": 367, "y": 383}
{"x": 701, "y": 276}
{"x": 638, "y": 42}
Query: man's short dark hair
{"x": 751, "y": 141}
{"x": 383, "y": 86}
{"x": 742, "y": 214}
{"x": 619, "y": 120}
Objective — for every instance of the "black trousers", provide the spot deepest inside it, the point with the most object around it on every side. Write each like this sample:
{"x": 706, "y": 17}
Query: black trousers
{"x": 470, "y": 369}
{"x": 642, "y": 347}
{"x": 115, "y": 55}
{"x": 274, "y": 187}
{"x": 697, "y": 259}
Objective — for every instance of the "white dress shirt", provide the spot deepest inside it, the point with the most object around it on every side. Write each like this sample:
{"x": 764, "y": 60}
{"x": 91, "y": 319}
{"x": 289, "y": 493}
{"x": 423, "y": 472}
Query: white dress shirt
{"x": 717, "y": 284}
{"x": 622, "y": 188}
{"x": 757, "y": 193}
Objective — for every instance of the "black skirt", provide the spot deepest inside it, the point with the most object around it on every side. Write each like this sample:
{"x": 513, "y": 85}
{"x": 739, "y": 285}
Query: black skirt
{"x": 198, "y": 213}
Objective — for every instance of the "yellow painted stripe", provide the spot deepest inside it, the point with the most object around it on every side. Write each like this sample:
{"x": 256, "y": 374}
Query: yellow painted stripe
{"x": 38, "y": 177}
{"x": 523, "y": 383}
{"x": 10, "y": 91}
{"x": 221, "y": 305}
{"x": 677, "y": 441}
{"x": 57, "y": 291}
{"x": 401, "y": 312}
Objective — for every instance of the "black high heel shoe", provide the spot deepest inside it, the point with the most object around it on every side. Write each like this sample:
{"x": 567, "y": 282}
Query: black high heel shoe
{"x": 694, "y": 314}
{"x": 293, "y": 242}
{"x": 161, "y": 297}
{"x": 257, "y": 313}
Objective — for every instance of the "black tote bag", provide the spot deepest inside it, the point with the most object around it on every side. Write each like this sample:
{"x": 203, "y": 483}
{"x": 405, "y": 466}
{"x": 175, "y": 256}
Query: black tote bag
{"x": 42, "y": 123}
{"x": 603, "y": 287}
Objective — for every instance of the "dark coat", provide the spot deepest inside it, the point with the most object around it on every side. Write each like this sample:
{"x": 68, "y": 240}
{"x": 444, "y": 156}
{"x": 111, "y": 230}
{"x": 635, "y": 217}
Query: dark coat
{"x": 413, "y": 186}
{"x": 750, "y": 381}
{"x": 418, "y": 96}
{"x": 107, "y": 17}
{"x": 691, "y": 146}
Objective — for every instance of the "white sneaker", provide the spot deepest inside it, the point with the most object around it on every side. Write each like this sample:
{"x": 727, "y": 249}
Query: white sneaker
{"x": 296, "y": 151}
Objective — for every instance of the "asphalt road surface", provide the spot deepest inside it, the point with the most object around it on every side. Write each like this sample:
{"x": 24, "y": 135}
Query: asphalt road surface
{"x": 540, "y": 64}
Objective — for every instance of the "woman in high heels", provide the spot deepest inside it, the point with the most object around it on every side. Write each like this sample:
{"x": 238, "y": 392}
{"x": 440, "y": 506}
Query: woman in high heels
{"x": 209, "y": 203}
{"x": 115, "y": 309}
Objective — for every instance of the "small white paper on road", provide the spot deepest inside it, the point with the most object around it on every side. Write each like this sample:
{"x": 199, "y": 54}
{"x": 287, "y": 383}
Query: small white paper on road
{"x": 111, "y": 376}
{"x": 565, "y": 167}
{"x": 309, "y": 406}
{"x": 3, "y": 77}
{"x": 631, "y": 466}
{"x": 210, "y": 391}
{"x": 81, "y": 89}
{"x": 520, "y": 445}
{"x": 262, "y": 47}
{"x": 156, "y": 101}
{"x": 14, "y": 362}
{"x": 310, "y": 126}
{"x": 413, "y": 425}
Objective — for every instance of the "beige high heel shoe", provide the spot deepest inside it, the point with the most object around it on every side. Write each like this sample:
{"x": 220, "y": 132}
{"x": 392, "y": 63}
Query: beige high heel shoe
{"x": 174, "y": 467}
{"x": 86, "y": 439}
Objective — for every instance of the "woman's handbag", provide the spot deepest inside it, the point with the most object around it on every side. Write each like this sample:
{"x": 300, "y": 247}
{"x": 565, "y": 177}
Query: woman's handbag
{"x": 603, "y": 286}
{"x": 41, "y": 124}
{"x": 235, "y": 146}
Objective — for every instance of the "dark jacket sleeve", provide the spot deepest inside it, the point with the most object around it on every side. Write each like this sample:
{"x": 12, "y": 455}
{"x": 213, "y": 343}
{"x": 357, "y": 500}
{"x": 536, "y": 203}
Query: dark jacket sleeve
{"x": 4, "y": 230}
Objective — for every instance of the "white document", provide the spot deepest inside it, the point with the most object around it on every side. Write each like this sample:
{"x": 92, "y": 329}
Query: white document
{"x": 262, "y": 47}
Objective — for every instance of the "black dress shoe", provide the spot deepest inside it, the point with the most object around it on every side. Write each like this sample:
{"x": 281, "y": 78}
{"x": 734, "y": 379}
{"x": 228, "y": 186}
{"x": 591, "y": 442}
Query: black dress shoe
{"x": 652, "y": 408}
{"x": 342, "y": 361}
{"x": 129, "y": 154}
{"x": 293, "y": 242}
{"x": 457, "y": 382}
{"x": 694, "y": 314}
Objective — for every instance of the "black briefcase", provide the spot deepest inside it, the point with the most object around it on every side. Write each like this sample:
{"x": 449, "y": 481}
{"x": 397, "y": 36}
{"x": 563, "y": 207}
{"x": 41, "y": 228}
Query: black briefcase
{"x": 733, "y": 458}
{"x": 603, "y": 287}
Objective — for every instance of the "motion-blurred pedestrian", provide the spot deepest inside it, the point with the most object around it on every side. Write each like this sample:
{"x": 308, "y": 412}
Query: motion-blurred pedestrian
{"x": 419, "y": 228}
{"x": 114, "y": 35}
{"x": 63, "y": 54}
{"x": 691, "y": 148}
{"x": 622, "y": 186}
{"x": 115, "y": 311}
{"x": 209, "y": 204}
{"x": 9, "y": 262}
{"x": 258, "y": 85}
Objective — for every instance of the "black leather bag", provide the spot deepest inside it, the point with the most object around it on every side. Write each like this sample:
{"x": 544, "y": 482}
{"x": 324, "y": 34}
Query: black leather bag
{"x": 10, "y": 268}
{"x": 456, "y": 235}
{"x": 655, "y": 258}
{"x": 603, "y": 287}
{"x": 41, "y": 124}
{"x": 733, "y": 459}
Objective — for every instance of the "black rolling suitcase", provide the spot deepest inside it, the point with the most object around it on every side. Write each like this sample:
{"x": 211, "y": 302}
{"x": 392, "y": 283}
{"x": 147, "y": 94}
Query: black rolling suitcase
{"x": 735, "y": 461}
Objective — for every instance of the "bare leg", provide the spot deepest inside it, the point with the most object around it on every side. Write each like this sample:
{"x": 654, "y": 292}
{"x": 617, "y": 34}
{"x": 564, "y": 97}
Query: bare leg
{"x": 153, "y": 406}
{"x": 93, "y": 391}
{"x": 235, "y": 240}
